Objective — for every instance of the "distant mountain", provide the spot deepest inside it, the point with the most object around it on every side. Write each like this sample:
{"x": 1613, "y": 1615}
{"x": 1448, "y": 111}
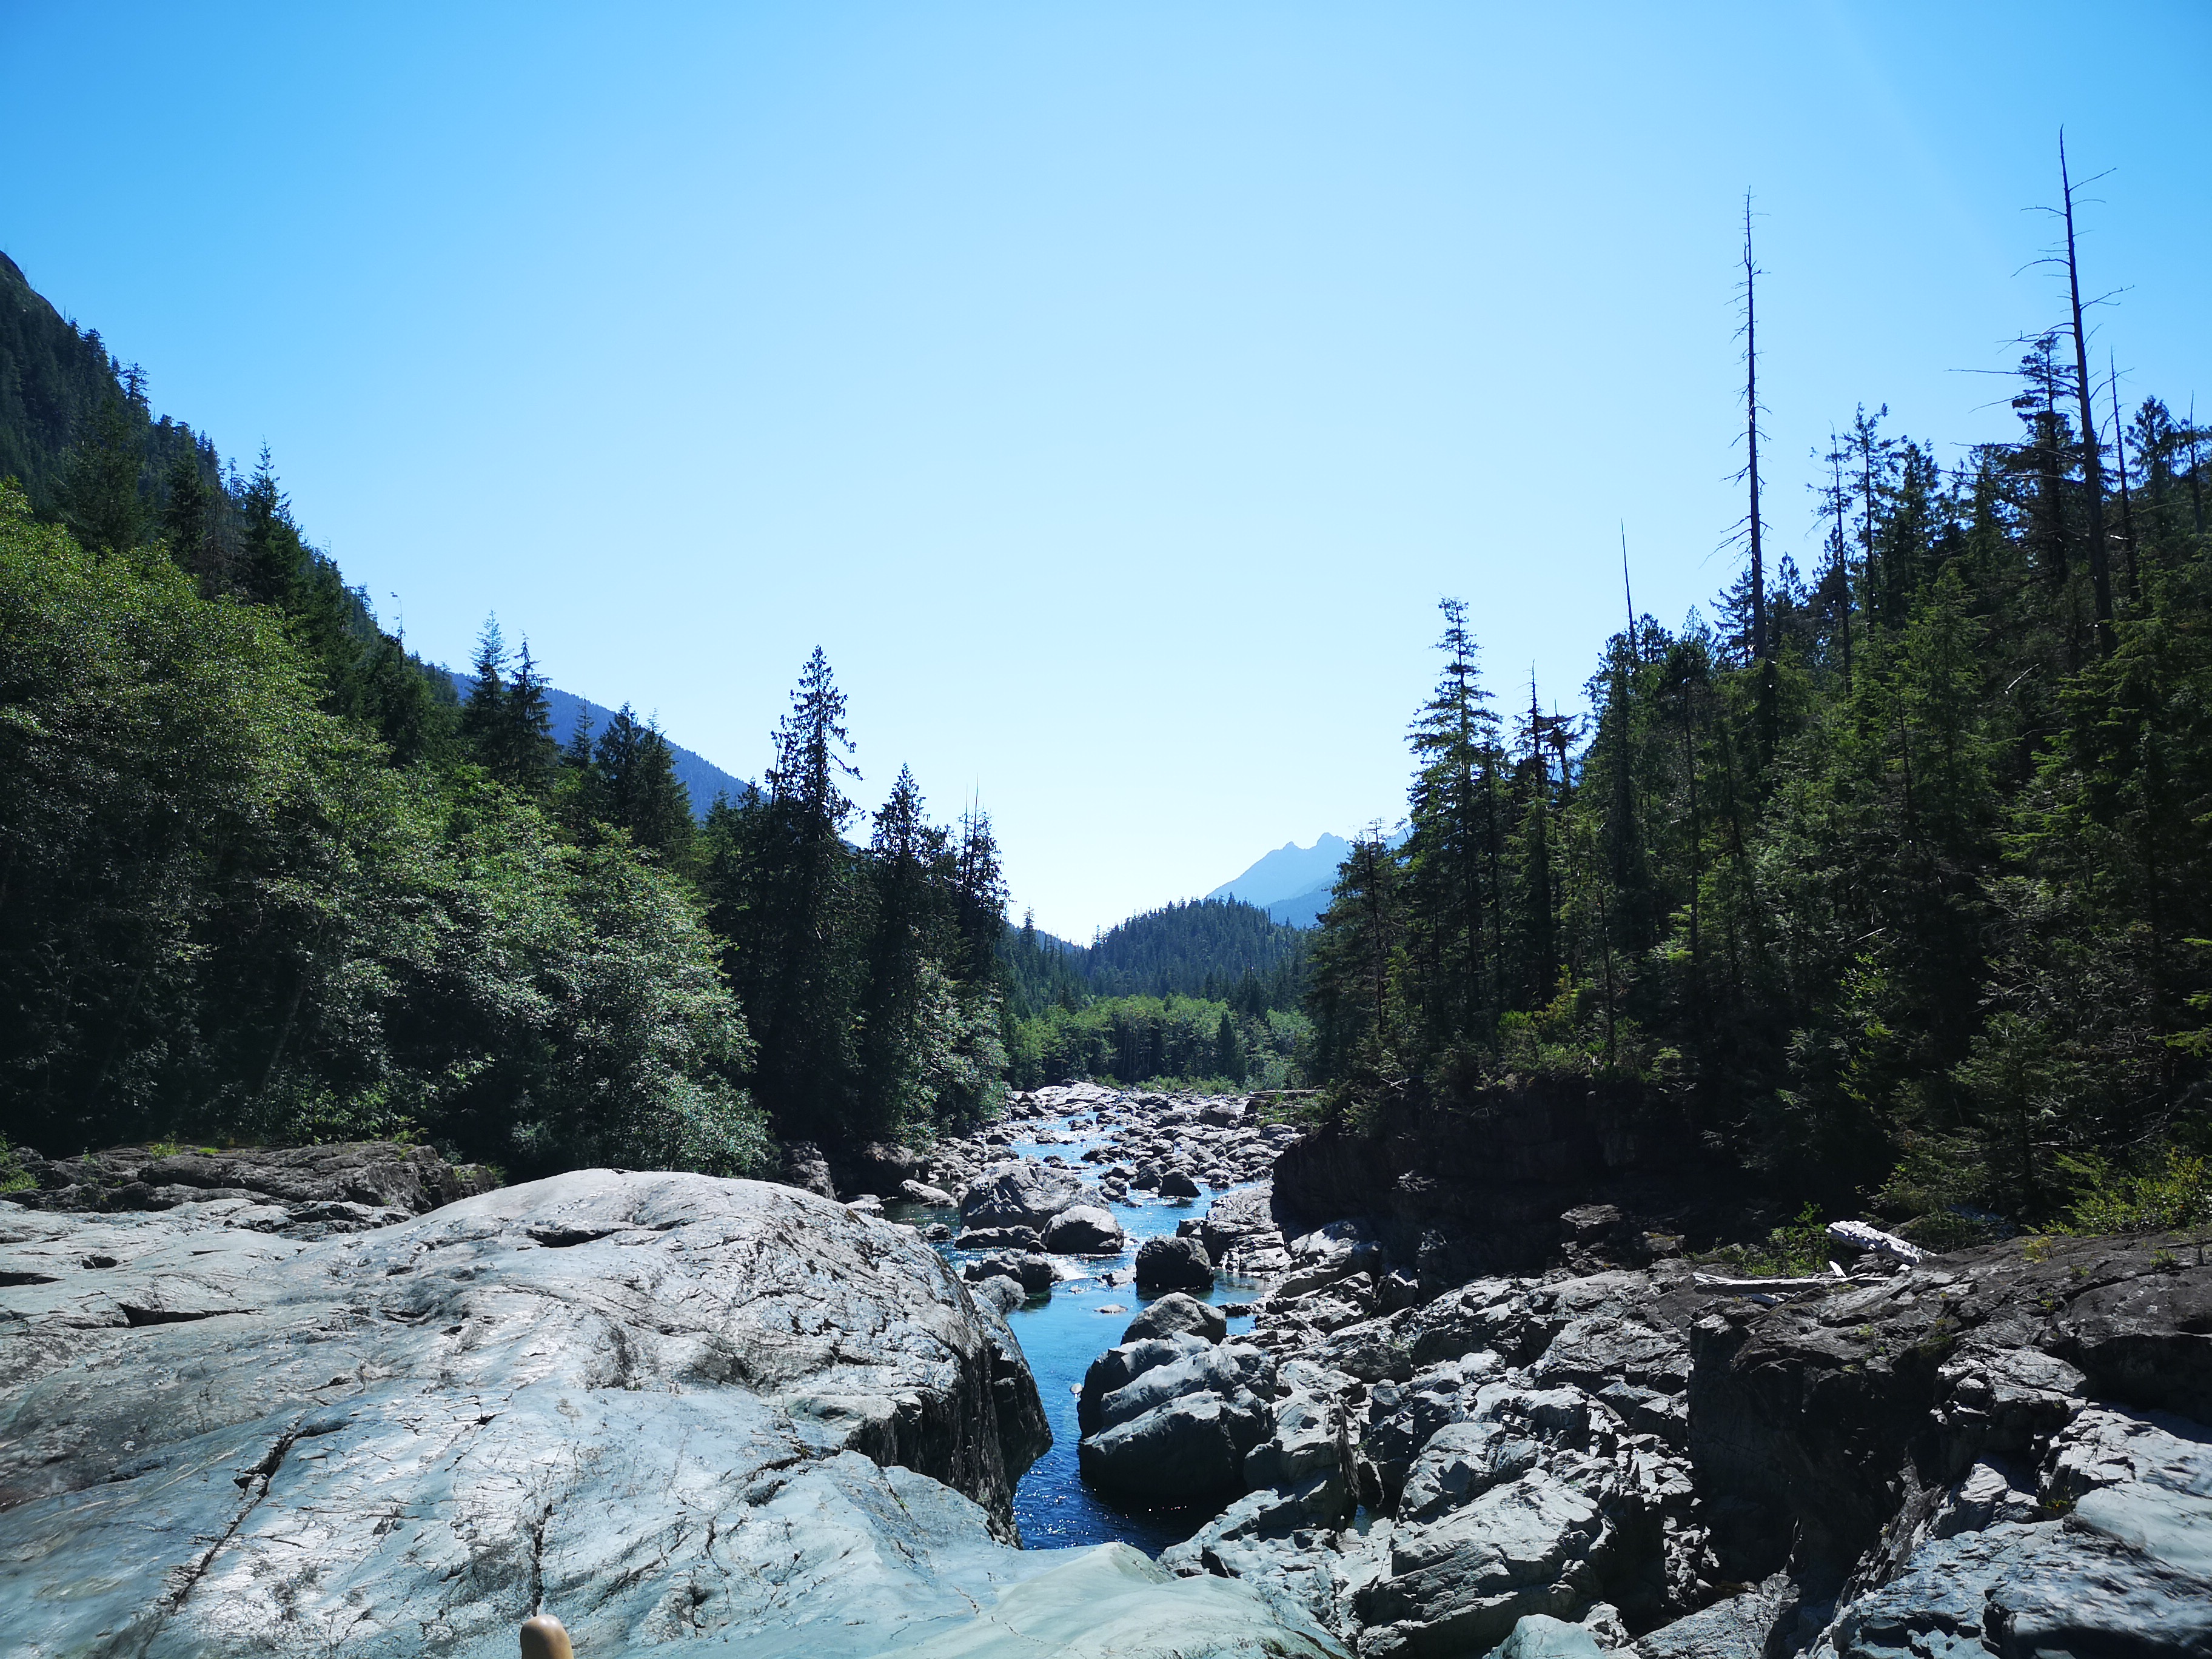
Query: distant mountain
{"x": 1292, "y": 883}
{"x": 1303, "y": 909}
{"x": 1290, "y": 872}
{"x": 700, "y": 776}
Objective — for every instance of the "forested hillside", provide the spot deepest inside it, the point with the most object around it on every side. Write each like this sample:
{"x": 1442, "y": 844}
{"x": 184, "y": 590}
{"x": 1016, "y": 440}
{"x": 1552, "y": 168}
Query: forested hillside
{"x": 1201, "y": 994}
{"x": 1895, "y": 873}
{"x": 263, "y": 875}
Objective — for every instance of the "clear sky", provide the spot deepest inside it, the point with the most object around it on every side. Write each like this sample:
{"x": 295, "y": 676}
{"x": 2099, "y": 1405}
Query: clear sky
{"x": 1111, "y": 390}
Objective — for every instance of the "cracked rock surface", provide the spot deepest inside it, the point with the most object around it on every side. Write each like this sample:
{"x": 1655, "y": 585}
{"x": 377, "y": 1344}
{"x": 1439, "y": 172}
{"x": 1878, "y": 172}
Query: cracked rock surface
{"x": 663, "y": 1406}
{"x": 1994, "y": 1454}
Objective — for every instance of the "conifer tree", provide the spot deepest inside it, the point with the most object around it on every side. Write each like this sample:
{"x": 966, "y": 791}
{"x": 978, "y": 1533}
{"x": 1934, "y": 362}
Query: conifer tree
{"x": 101, "y": 504}
{"x": 271, "y": 552}
{"x": 1453, "y": 848}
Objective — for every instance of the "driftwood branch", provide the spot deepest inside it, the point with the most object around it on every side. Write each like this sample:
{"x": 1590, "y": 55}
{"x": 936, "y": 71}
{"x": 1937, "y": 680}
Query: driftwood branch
{"x": 1858, "y": 1235}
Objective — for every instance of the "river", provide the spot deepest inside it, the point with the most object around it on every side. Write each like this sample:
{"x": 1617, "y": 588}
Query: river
{"x": 1062, "y": 1334}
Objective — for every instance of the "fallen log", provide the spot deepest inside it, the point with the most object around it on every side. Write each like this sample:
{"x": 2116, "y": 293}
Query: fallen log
{"x": 1858, "y": 1235}
{"x": 1743, "y": 1286}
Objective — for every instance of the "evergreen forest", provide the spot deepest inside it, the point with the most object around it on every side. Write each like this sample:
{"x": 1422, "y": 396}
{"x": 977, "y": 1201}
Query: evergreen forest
{"x": 1891, "y": 875}
{"x": 265, "y": 875}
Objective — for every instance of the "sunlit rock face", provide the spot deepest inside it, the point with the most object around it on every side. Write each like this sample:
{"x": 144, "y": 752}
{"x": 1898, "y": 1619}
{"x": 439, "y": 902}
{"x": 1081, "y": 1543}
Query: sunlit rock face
{"x": 659, "y": 1406}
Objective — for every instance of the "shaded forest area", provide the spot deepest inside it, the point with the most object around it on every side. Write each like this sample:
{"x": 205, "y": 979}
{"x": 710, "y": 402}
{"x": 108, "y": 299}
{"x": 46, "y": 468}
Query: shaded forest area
{"x": 1894, "y": 875}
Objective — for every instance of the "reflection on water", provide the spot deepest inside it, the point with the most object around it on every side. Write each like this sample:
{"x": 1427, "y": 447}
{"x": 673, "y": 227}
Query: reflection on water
{"x": 1061, "y": 1337}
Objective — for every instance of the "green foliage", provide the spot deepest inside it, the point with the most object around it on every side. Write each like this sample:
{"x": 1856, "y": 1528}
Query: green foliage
{"x": 1911, "y": 910}
{"x": 872, "y": 976}
{"x": 222, "y": 910}
{"x": 1165, "y": 1041}
{"x": 2170, "y": 1194}
{"x": 1796, "y": 1249}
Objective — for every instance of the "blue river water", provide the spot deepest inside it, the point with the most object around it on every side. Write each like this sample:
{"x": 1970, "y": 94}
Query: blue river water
{"x": 1059, "y": 1337}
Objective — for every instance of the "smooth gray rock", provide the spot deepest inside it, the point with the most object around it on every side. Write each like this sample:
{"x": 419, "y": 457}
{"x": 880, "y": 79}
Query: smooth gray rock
{"x": 1230, "y": 1370}
{"x": 1736, "y": 1628}
{"x": 1178, "y": 1431}
{"x": 1461, "y": 1462}
{"x": 1177, "y": 1313}
{"x": 1303, "y": 1447}
{"x": 1539, "y": 1544}
{"x": 1022, "y": 1193}
{"x": 1539, "y": 1636}
{"x": 2011, "y": 1589}
{"x": 1176, "y": 1184}
{"x": 1111, "y": 1603}
{"x": 1001, "y": 1294}
{"x": 1173, "y": 1264}
{"x": 660, "y": 1405}
{"x": 1084, "y": 1230}
{"x": 916, "y": 1192}
{"x": 1188, "y": 1450}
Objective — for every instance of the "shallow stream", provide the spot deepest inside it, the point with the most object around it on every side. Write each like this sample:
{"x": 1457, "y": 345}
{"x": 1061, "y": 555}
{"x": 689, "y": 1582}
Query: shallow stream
{"x": 1062, "y": 1334}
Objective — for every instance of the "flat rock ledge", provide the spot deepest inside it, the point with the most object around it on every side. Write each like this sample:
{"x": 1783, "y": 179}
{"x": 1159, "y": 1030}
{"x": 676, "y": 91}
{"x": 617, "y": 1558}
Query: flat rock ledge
{"x": 662, "y": 1406}
{"x": 302, "y": 1191}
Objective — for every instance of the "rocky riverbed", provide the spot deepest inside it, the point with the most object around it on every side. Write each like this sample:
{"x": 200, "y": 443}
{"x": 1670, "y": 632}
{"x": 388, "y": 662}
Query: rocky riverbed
{"x": 2001, "y": 1452}
{"x": 238, "y": 1419}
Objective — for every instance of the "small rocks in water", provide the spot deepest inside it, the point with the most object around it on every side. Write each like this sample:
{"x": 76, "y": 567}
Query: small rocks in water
{"x": 1033, "y": 1272}
{"x": 1173, "y": 1264}
{"x": 1176, "y": 1184}
{"x": 1236, "y": 1309}
{"x": 938, "y": 1233}
{"x": 999, "y": 1293}
{"x": 1177, "y": 1313}
{"x": 998, "y": 1238}
{"x": 1106, "y": 1308}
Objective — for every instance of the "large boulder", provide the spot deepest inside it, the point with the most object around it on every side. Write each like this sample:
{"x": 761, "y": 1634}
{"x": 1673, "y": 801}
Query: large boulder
{"x": 1178, "y": 1433}
{"x": 1084, "y": 1230}
{"x": 1173, "y": 1264}
{"x": 1117, "y": 1367}
{"x": 1177, "y": 1313}
{"x": 1241, "y": 1235}
{"x": 659, "y": 1405}
{"x": 1023, "y": 1193}
{"x": 806, "y": 1167}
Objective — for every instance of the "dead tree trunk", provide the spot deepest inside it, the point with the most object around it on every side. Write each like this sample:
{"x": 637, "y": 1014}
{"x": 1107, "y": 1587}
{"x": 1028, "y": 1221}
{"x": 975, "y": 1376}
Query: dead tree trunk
{"x": 2093, "y": 476}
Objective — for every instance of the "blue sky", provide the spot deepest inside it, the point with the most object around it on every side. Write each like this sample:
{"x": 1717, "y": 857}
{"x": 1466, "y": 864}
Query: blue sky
{"x": 1111, "y": 390}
